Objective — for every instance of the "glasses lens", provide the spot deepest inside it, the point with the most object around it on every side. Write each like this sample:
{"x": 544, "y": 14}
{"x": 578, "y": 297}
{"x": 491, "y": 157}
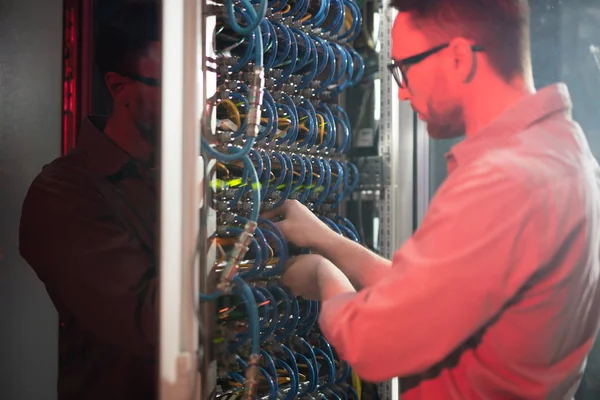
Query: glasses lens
{"x": 398, "y": 76}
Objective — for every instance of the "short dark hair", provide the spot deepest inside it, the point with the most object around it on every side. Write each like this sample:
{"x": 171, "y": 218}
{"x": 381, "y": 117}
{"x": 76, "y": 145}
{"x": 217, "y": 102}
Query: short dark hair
{"x": 501, "y": 27}
{"x": 126, "y": 35}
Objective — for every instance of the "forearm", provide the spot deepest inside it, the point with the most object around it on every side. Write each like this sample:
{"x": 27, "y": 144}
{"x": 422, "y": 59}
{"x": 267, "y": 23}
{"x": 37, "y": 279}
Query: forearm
{"x": 332, "y": 282}
{"x": 363, "y": 267}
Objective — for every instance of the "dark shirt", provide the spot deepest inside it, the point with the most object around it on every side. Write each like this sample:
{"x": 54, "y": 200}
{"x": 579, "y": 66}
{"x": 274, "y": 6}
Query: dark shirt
{"x": 88, "y": 230}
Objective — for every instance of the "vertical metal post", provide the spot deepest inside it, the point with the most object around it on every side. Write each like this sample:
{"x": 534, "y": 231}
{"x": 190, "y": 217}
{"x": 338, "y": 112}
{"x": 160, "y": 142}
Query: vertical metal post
{"x": 208, "y": 215}
{"x": 179, "y": 201}
{"x": 396, "y": 145}
{"x": 397, "y": 148}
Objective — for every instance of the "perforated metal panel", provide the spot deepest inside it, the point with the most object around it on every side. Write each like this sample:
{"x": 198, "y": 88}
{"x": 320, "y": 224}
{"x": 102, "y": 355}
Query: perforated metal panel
{"x": 396, "y": 146}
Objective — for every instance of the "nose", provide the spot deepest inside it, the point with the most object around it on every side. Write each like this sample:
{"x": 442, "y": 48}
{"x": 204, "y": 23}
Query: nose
{"x": 403, "y": 94}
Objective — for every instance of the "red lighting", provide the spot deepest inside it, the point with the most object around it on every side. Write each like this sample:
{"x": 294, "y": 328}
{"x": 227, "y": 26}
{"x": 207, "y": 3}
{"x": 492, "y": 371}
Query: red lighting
{"x": 77, "y": 60}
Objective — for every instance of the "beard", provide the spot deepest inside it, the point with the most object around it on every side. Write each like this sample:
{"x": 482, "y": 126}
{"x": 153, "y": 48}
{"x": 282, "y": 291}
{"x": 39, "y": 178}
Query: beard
{"x": 149, "y": 133}
{"x": 445, "y": 122}
{"x": 149, "y": 127}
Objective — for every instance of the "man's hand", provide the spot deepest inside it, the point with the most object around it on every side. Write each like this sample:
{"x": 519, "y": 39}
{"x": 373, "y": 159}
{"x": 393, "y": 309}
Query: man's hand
{"x": 304, "y": 229}
{"x": 301, "y": 276}
{"x": 313, "y": 277}
{"x": 300, "y": 226}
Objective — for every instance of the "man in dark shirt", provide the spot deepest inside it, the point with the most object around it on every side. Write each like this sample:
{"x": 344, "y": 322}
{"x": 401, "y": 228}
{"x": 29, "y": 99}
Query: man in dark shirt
{"x": 88, "y": 224}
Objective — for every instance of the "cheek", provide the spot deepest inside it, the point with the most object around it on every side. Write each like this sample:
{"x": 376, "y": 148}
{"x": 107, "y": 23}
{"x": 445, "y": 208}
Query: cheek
{"x": 149, "y": 100}
{"x": 439, "y": 94}
{"x": 420, "y": 95}
{"x": 154, "y": 98}
{"x": 155, "y": 105}
{"x": 421, "y": 81}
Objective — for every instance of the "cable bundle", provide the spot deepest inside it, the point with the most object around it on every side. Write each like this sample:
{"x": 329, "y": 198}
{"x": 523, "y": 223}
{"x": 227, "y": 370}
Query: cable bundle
{"x": 280, "y": 134}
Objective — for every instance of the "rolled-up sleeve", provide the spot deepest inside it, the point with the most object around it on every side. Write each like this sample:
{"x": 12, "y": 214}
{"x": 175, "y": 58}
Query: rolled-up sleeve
{"x": 91, "y": 264}
{"x": 484, "y": 238}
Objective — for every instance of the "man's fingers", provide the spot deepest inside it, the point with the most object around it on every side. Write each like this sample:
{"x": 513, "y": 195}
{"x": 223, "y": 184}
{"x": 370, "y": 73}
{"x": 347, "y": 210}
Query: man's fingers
{"x": 281, "y": 210}
{"x": 271, "y": 213}
{"x": 282, "y": 226}
{"x": 289, "y": 263}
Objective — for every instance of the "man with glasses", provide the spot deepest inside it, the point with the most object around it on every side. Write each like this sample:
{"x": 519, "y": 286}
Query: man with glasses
{"x": 88, "y": 224}
{"x": 495, "y": 296}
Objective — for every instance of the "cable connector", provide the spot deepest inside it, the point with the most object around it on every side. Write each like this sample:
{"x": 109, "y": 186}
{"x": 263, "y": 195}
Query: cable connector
{"x": 251, "y": 381}
{"x": 255, "y": 100}
{"x": 236, "y": 256}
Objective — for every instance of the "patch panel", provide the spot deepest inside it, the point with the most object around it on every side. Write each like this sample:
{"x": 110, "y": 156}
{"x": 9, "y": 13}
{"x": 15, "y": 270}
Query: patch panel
{"x": 280, "y": 133}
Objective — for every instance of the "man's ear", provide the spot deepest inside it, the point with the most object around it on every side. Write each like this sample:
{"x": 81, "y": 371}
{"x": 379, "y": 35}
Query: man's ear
{"x": 118, "y": 86}
{"x": 465, "y": 62}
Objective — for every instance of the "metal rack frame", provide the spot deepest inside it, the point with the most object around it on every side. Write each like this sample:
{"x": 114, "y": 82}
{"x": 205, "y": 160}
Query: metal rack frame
{"x": 397, "y": 147}
{"x": 180, "y": 199}
{"x": 186, "y": 43}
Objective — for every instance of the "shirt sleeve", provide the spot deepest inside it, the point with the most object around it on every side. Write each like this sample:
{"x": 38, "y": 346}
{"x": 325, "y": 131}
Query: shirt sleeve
{"x": 483, "y": 239}
{"x": 92, "y": 266}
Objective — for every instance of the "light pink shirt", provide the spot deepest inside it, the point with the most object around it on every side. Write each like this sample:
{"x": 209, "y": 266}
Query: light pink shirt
{"x": 496, "y": 294}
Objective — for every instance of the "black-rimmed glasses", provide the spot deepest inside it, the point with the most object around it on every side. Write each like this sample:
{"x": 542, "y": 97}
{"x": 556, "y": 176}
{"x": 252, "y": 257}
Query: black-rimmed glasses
{"x": 399, "y": 68}
{"x": 154, "y": 82}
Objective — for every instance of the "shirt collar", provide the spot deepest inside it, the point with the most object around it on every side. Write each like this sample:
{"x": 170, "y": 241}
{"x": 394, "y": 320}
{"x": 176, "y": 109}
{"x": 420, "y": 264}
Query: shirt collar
{"x": 530, "y": 110}
{"x": 102, "y": 153}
